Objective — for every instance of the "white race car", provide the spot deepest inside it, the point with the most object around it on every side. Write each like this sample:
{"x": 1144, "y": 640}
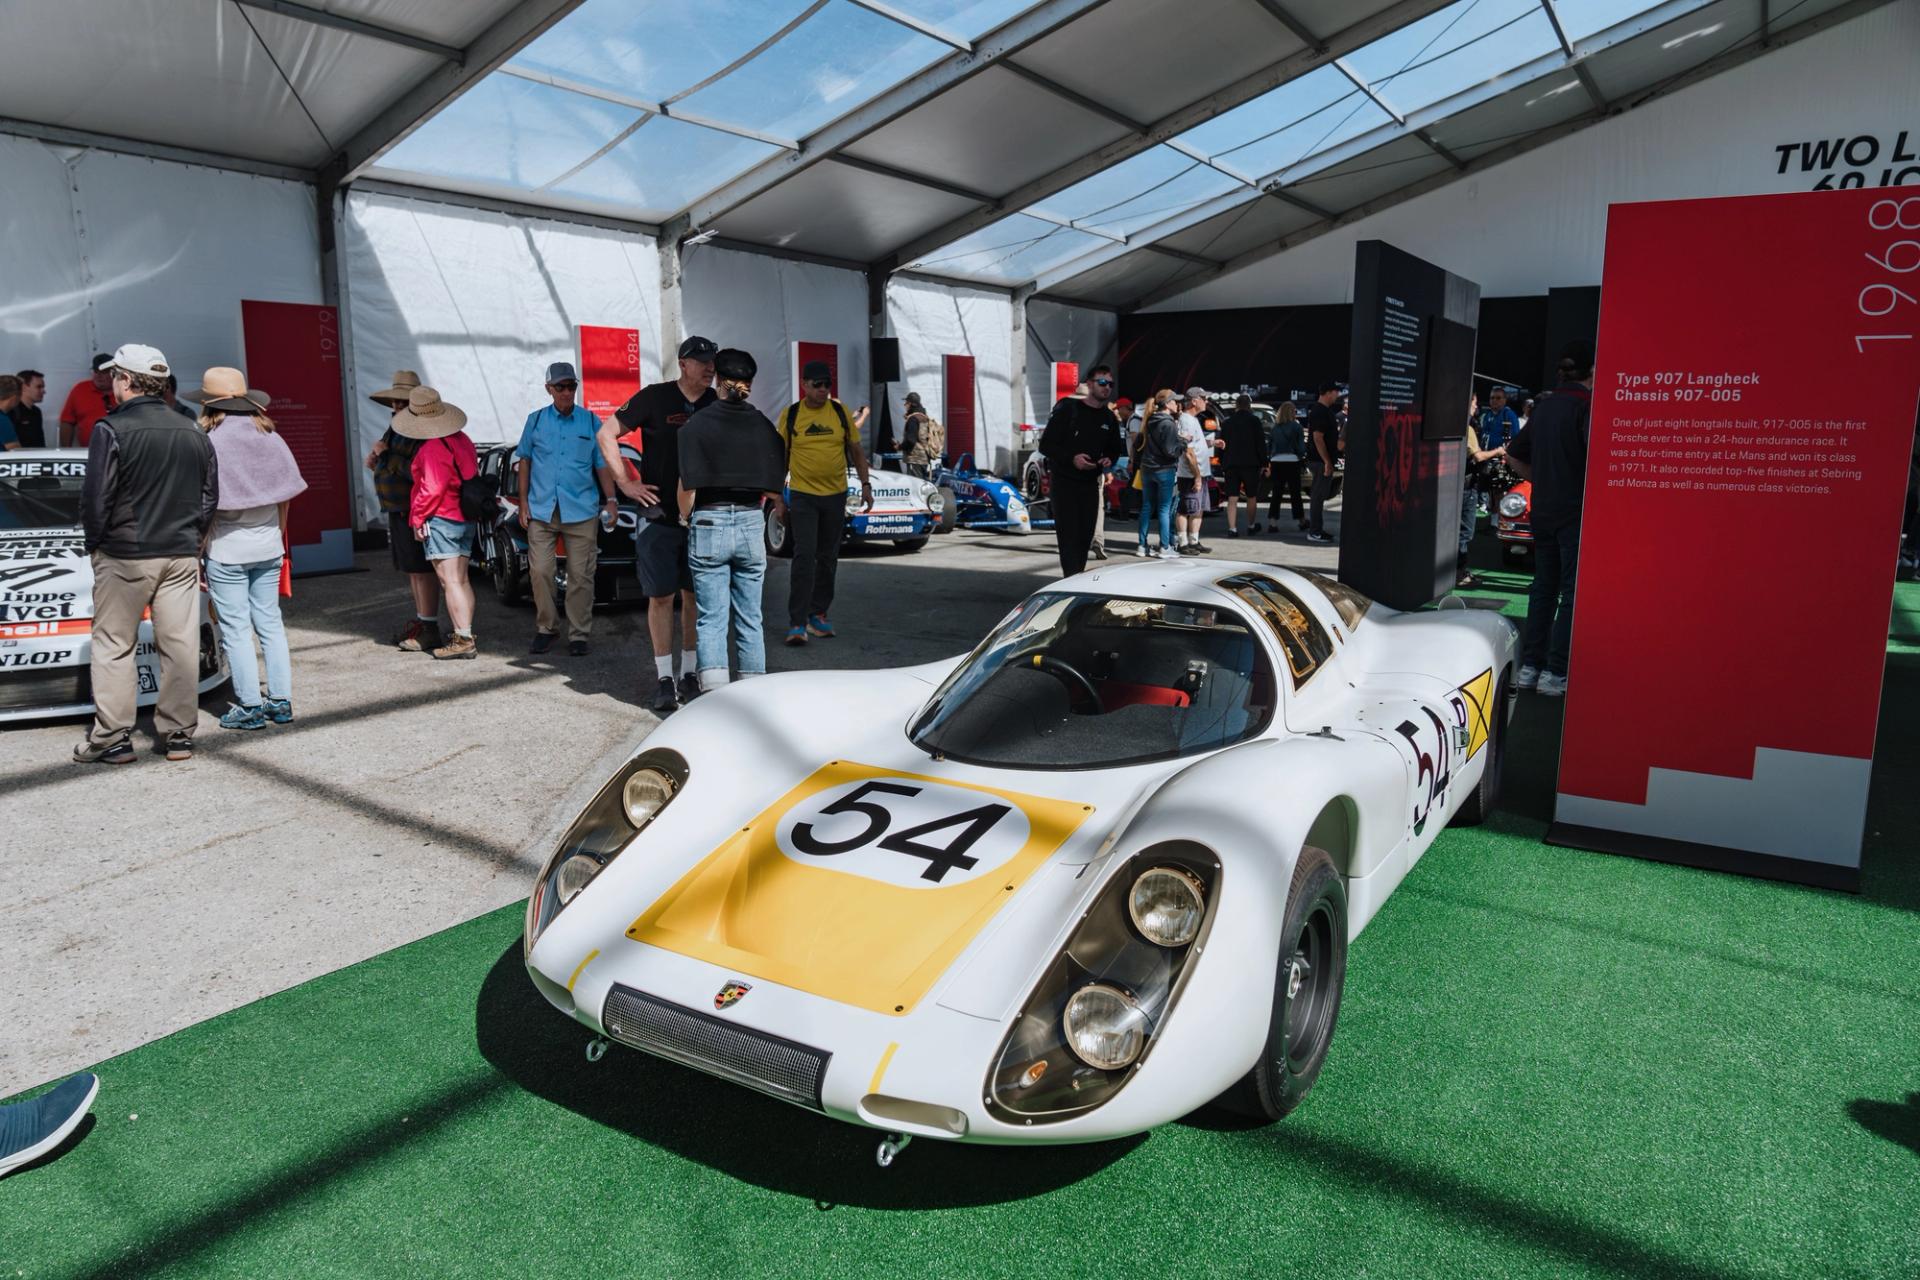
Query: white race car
{"x": 46, "y": 596}
{"x": 1078, "y": 883}
{"x": 907, "y": 511}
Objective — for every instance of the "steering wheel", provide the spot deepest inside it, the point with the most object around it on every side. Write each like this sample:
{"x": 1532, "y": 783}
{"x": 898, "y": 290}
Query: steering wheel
{"x": 1071, "y": 676}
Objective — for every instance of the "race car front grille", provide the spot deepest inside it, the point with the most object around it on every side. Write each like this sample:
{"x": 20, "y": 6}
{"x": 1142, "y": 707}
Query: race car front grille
{"x": 788, "y": 1070}
{"x": 55, "y": 687}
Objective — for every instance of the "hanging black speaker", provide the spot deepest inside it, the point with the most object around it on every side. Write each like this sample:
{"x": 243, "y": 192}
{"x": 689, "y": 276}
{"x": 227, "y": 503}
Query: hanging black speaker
{"x": 886, "y": 359}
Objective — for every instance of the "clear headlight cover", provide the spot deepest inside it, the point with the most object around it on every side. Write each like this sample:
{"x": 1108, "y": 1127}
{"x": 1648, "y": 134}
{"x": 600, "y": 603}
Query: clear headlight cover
{"x": 1105, "y": 1028}
{"x": 935, "y": 502}
{"x": 629, "y": 800}
{"x": 573, "y": 876}
{"x": 645, "y": 794}
{"x": 1167, "y": 905}
{"x": 1513, "y": 505}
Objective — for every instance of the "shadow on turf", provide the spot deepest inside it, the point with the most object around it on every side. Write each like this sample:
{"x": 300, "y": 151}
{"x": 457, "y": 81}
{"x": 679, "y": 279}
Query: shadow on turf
{"x": 742, "y": 1134}
{"x": 1894, "y": 1121}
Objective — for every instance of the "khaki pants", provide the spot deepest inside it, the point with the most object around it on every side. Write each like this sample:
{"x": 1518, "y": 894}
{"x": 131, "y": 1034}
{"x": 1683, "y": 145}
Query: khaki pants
{"x": 583, "y": 558}
{"x": 121, "y": 590}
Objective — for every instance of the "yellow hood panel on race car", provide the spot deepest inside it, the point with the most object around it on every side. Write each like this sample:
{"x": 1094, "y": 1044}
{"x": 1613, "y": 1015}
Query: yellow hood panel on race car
{"x": 861, "y": 884}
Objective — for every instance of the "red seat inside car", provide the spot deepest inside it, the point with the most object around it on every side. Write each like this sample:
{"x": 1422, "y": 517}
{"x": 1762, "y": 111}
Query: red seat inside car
{"x": 1115, "y": 694}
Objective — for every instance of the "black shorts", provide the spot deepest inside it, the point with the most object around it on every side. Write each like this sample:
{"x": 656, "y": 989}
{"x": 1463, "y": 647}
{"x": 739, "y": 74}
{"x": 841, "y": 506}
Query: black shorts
{"x": 1243, "y": 482}
{"x": 409, "y": 553}
{"x": 660, "y": 558}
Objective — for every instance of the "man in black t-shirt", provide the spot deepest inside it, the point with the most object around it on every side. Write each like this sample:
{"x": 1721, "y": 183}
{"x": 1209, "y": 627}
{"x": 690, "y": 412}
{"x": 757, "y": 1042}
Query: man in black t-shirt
{"x": 1245, "y": 459}
{"x": 27, "y": 422}
{"x": 1081, "y": 441}
{"x": 1551, "y": 451}
{"x": 650, "y": 423}
{"x": 1323, "y": 451}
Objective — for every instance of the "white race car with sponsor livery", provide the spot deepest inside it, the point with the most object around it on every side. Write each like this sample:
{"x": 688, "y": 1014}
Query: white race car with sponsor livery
{"x": 46, "y": 595}
{"x": 906, "y": 512}
{"x": 1097, "y": 873}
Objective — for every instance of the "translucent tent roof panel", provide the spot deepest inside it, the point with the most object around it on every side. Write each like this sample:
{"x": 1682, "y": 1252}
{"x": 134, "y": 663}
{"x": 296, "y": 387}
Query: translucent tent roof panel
{"x": 1452, "y": 50}
{"x": 1286, "y": 125}
{"x": 1011, "y": 251}
{"x": 661, "y": 167}
{"x": 1148, "y": 58}
{"x": 966, "y": 19}
{"x": 512, "y": 133}
{"x": 1675, "y": 48}
{"x": 841, "y": 212}
{"x": 1543, "y": 103}
{"x": 996, "y": 105}
{"x": 655, "y": 51}
{"x": 1126, "y": 278}
{"x": 1373, "y": 174}
{"x": 1584, "y": 19}
{"x": 1261, "y": 220}
{"x": 832, "y": 63}
{"x": 1138, "y": 192}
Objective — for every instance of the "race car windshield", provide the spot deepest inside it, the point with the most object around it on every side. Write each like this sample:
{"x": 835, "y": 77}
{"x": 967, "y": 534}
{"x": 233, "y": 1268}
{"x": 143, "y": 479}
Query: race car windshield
{"x": 40, "y": 495}
{"x": 1080, "y": 682}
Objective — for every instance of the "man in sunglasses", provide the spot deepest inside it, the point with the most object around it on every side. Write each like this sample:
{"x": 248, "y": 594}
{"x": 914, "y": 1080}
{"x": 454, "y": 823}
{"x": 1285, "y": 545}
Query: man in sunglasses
{"x": 1081, "y": 441}
{"x": 821, "y": 441}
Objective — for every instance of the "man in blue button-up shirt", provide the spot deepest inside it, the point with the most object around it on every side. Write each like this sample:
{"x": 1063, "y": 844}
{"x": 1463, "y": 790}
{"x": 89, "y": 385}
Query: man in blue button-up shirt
{"x": 564, "y": 488}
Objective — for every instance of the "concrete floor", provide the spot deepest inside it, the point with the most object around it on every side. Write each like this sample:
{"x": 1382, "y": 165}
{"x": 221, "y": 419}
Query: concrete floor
{"x": 408, "y": 796}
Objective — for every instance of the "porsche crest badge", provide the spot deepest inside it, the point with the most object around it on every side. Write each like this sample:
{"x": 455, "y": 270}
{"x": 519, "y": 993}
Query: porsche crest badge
{"x": 731, "y": 994}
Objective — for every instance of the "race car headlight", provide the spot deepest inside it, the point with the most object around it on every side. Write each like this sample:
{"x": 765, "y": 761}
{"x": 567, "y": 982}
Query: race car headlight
{"x": 935, "y": 501}
{"x": 1090, "y": 1021}
{"x": 616, "y": 814}
{"x": 853, "y": 499}
{"x": 1513, "y": 505}
{"x": 1166, "y": 905}
{"x": 1105, "y": 1028}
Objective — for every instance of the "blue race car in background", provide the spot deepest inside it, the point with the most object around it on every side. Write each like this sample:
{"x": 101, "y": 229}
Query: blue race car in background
{"x": 983, "y": 500}
{"x": 906, "y": 512}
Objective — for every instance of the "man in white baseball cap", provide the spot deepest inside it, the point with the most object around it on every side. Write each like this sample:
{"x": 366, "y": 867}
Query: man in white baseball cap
{"x": 150, "y": 492}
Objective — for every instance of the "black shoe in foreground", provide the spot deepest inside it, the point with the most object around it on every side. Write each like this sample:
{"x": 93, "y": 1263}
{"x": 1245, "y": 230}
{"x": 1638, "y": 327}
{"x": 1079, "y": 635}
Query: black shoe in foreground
{"x": 689, "y": 688}
{"x": 119, "y": 751}
{"x": 542, "y": 642}
{"x": 577, "y": 648}
{"x": 663, "y": 699}
{"x": 179, "y": 746}
{"x": 32, "y": 1129}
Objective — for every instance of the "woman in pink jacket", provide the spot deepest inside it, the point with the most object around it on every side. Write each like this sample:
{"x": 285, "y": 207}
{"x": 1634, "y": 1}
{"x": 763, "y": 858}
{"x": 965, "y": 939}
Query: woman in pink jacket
{"x": 443, "y": 462}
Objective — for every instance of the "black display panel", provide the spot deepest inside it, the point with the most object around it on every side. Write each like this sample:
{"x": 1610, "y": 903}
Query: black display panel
{"x": 1450, "y": 346}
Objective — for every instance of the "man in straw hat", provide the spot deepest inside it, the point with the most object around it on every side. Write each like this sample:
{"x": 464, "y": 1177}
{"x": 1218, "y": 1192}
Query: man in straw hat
{"x": 151, "y": 488}
{"x": 391, "y": 461}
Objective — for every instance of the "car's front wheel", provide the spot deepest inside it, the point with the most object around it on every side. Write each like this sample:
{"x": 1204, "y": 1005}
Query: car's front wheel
{"x": 779, "y": 536}
{"x": 508, "y": 583}
{"x": 949, "y": 510}
{"x": 1306, "y": 994}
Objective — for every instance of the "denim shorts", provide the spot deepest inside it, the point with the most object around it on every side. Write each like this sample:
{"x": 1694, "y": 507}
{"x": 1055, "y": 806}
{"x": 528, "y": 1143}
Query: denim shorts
{"x": 448, "y": 538}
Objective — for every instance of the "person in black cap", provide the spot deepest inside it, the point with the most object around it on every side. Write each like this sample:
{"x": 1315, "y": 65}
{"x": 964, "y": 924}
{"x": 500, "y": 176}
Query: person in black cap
{"x": 90, "y": 401}
{"x": 1081, "y": 441}
{"x": 923, "y": 441}
{"x": 1323, "y": 451}
{"x": 649, "y": 423}
{"x": 564, "y": 489}
{"x": 731, "y": 463}
{"x": 1552, "y": 453}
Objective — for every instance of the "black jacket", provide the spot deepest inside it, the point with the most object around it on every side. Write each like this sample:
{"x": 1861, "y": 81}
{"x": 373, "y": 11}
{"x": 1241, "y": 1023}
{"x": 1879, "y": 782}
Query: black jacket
{"x": 1245, "y": 438}
{"x": 1077, "y": 427}
{"x": 152, "y": 483}
{"x": 1554, "y": 444}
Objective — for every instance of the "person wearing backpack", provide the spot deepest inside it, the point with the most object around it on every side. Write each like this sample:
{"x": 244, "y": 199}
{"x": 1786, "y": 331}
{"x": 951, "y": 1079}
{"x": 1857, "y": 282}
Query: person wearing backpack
{"x": 565, "y": 488}
{"x": 821, "y": 442}
{"x": 446, "y": 493}
{"x": 924, "y": 442}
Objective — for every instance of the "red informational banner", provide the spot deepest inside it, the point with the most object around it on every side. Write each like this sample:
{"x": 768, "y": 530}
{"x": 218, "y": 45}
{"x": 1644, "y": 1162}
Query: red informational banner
{"x": 609, "y": 368}
{"x": 957, "y": 401}
{"x": 806, "y": 352}
{"x": 1066, "y": 379}
{"x": 293, "y": 354}
{"x": 1753, "y": 412}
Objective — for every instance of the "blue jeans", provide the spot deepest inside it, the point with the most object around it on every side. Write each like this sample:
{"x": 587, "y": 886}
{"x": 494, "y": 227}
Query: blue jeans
{"x": 1156, "y": 502}
{"x": 247, "y": 597}
{"x": 1469, "y": 520}
{"x": 727, "y": 551}
{"x": 1549, "y": 631}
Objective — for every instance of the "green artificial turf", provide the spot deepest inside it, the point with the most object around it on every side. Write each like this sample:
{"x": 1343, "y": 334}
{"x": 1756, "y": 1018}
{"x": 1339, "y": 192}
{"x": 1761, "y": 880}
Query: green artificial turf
{"x": 1549, "y": 1063}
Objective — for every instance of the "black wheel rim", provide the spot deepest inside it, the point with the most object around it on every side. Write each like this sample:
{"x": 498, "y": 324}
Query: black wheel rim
{"x": 1308, "y": 976}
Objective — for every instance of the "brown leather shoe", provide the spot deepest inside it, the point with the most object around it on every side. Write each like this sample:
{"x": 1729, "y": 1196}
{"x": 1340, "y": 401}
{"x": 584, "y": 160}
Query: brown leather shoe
{"x": 458, "y": 647}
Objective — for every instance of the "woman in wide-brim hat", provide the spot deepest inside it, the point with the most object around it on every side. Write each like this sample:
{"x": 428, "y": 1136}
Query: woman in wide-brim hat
{"x": 391, "y": 461}
{"x": 443, "y": 462}
{"x": 246, "y": 545}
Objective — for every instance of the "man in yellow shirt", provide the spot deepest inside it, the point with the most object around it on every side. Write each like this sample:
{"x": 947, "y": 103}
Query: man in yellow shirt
{"x": 822, "y": 442}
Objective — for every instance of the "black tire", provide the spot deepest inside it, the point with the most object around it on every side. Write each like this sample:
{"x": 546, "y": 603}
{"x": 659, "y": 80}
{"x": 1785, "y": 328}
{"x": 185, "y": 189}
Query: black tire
{"x": 949, "y": 511}
{"x": 509, "y": 583}
{"x": 1301, "y": 1027}
{"x": 778, "y": 537}
{"x": 1482, "y": 800}
{"x": 910, "y": 544}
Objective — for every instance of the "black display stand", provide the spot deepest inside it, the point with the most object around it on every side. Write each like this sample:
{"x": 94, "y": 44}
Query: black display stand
{"x": 1410, "y": 379}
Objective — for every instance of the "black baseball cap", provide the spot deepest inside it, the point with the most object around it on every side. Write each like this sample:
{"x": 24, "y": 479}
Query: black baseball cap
{"x": 698, "y": 348}
{"x": 102, "y": 361}
{"x": 816, "y": 371}
{"x": 1330, "y": 386}
{"x": 734, "y": 363}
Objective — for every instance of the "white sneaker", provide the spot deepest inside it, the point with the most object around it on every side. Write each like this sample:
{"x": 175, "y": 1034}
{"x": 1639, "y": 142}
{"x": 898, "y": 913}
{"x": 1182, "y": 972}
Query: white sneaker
{"x": 1553, "y": 686}
{"x": 1140, "y": 549}
{"x": 1168, "y": 553}
{"x": 1528, "y": 678}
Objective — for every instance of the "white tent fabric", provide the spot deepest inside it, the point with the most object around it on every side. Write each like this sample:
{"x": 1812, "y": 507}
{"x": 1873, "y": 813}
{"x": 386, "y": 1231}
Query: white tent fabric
{"x": 932, "y": 320}
{"x": 1056, "y": 332}
{"x": 764, "y": 305}
{"x": 1539, "y": 221}
{"x": 479, "y": 303}
{"x": 107, "y": 248}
